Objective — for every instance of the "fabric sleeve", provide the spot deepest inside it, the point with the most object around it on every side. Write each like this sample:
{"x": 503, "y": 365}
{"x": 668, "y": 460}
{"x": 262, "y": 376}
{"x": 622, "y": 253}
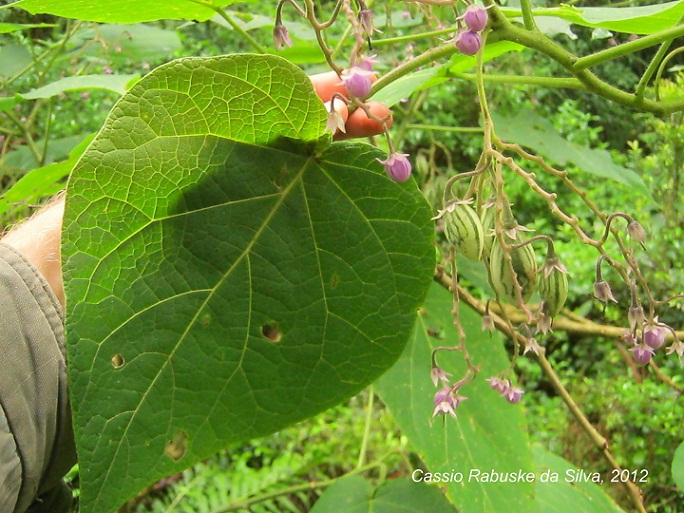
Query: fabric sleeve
{"x": 36, "y": 437}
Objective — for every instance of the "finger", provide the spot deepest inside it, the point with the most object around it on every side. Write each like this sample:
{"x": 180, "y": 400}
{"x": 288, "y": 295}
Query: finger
{"x": 360, "y": 125}
{"x": 326, "y": 84}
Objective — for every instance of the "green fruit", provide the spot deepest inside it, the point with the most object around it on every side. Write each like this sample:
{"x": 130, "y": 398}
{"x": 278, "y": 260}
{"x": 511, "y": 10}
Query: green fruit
{"x": 463, "y": 229}
{"x": 554, "y": 290}
{"x": 524, "y": 264}
{"x": 488, "y": 216}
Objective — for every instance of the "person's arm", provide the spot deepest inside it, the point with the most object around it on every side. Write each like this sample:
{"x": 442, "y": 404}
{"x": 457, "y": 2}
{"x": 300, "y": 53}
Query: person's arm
{"x": 38, "y": 239}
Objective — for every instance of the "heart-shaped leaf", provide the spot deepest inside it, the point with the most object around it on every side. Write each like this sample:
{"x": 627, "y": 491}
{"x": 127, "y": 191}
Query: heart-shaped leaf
{"x": 228, "y": 271}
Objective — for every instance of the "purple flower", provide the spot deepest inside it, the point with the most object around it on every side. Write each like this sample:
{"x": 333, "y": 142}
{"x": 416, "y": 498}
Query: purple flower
{"x": 357, "y": 81}
{"x": 281, "y": 37}
{"x": 468, "y": 42}
{"x": 642, "y": 354}
{"x": 513, "y": 394}
{"x": 498, "y": 384}
{"x": 475, "y": 18}
{"x": 654, "y": 336}
{"x": 446, "y": 402}
{"x": 397, "y": 166}
{"x": 366, "y": 63}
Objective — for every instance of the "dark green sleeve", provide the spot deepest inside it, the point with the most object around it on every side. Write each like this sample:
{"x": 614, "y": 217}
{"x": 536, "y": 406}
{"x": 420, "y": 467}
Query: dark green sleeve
{"x": 36, "y": 437}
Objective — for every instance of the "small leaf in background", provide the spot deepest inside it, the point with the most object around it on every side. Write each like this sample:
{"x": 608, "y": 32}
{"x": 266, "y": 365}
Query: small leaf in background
{"x": 678, "y": 467}
{"x": 570, "y": 494}
{"x": 6, "y": 28}
{"x": 489, "y": 434}
{"x": 120, "y": 44}
{"x": 226, "y": 274}
{"x": 535, "y": 132}
{"x": 114, "y": 83}
{"x": 353, "y": 494}
{"x": 13, "y": 59}
{"x": 122, "y": 11}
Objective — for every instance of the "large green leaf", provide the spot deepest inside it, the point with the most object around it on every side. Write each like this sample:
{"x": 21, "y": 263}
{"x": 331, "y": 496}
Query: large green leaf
{"x": 228, "y": 271}
{"x": 645, "y": 19}
{"x": 563, "y": 488}
{"x": 353, "y": 494}
{"x": 123, "y": 11}
{"x": 489, "y": 434}
{"x": 533, "y": 131}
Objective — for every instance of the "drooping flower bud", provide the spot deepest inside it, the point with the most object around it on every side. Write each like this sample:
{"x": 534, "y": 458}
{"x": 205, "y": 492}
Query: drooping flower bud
{"x": 438, "y": 374}
{"x": 636, "y": 231}
{"x": 636, "y": 316}
{"x": 335, "y": 122}
{"x": 603, "y": 292}
{"x": 513, "y": 394}
{"x": 654, "y": 336}
{"x": 498, "y": 384}
{"x": 475, "y": 17}
{"x": 357, "y": 81}
{"x": 397, "y": 166}
{"x": 468, "y": 42}
{"x": 642, "y": 354}
{"x": 366, "y": 21}
{"x": 488, "y": 323}
{"x": 281, "y": 37}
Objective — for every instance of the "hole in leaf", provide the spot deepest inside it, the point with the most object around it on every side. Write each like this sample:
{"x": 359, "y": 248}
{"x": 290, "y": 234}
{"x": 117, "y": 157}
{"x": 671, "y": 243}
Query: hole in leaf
{"x": 118, "y": 361}
{"x": 271, "y": 331}
{"x": 176, "y": 447}
{"x": 205, "y": 320}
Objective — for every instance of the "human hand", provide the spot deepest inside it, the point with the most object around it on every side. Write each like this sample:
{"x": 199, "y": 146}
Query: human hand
{"x": 358, "y": 124}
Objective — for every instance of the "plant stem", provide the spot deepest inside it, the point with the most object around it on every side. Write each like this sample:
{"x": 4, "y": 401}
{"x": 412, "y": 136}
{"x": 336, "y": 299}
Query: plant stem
{"x": 528, "y": 19}
{"x": 653, "y": 65}
{"x": 439, "y": 128}
{"x": 556, "y": 82}
{"x": 237, "y": 28}
{"x": 506, "y": 30}
{"x": 627, "y": 48}
{"x": 434, "y": 54}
